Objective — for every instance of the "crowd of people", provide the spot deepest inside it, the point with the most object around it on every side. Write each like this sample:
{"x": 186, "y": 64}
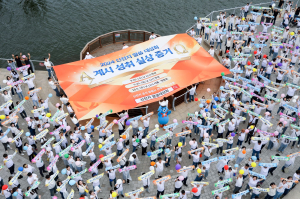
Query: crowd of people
{"x": 212, "y": 136}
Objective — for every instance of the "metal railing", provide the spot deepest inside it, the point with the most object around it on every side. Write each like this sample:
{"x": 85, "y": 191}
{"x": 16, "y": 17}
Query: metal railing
{"x": 53, "y": 75}
{"x": 115, "y": 37}
{"x": 185, "y": 96}
{"x": 231, "y": 11}
{"x": 30, "y": 60}
{"x": 178, "y": 97}
{"x": 146, "y": 108}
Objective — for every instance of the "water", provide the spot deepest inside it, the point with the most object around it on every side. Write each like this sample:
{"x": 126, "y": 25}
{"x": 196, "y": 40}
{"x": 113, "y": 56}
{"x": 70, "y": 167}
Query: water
{"x": 63, "y": 27}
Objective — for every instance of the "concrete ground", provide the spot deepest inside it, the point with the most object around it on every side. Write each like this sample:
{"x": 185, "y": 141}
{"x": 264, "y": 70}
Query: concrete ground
{"x": 143, "y": 166}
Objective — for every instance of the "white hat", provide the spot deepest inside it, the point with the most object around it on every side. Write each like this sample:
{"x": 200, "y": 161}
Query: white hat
{"x": 100, "y": 140}
{"x": 87, "y": 53}
{"x": 84, "y": 153}
{"x": 164, "y": 103}
{"x": 119, "y": 181}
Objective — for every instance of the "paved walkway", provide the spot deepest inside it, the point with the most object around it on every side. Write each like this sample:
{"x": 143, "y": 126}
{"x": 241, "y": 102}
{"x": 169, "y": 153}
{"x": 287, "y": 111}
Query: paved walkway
{"x": 143, "y": 166}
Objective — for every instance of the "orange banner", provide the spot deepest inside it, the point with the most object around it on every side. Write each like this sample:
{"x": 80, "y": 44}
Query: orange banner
{"x": 135, "y": 76}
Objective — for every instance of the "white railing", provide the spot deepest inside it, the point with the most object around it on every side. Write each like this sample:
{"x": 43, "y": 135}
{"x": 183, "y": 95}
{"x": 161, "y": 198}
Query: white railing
{"x": 234, "y": 10}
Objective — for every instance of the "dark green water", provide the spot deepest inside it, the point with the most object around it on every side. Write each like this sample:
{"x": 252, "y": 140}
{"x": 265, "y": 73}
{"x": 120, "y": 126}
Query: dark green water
{"x": 63, "y": 27}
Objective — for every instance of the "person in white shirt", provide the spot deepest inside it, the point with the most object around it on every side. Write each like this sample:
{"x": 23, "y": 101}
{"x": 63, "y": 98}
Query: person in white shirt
{"x": 29, "y": 151}
{"x": 192, "y": 93}
{"x": 160, "y": 188}
{"x": 30, "y": 83}
{"x": 124, "y": 46}
{"x": 146, "y": 123}
{"x": 159, "y": 167}
{"x": 64, "y": 99}
{"x": 48, "y": 65}
{"x": 121, "y": 125}
{"x": 51, "y": 185}
{"x": 74, "y": 119}
{"x": 112, "y": 176}
{"x": 238, "y": 184}
{"x": 192, "y": 32}
{"x": 252, "y": 181}
{"x": 32, "y": 178}
{"x": 198, "y": 27}
{"x": 178, "y": 184}
{"x": 8, "y": 162}
{"x": 199, "y": 39}
{"x": 53, "y": 86}
{"x": 69, "y": 108}
{"x": 19, "y": 91}
{"x": 207, "y": 152}
{"x": 41, "y": 166}
{"x": 63, "y": 191}
{"x": 88, "y": 56}
{"x": 290, "y": 185}
{"x": 7, "y": 97}
{"x": 291, "y": 92}
{"x": 211, "y": 51}
{"x": 256, "y": 148}
{"x": 212, "y": 38}
{"x": 4, "y": 140}
{"x": 280, "y": 189}
{"x": 183, "y": 194}
{"x": 152, "y": 36}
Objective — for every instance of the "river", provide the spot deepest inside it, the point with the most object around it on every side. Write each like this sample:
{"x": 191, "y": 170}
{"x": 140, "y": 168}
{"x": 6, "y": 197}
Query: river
{"x": 63, "y": 27}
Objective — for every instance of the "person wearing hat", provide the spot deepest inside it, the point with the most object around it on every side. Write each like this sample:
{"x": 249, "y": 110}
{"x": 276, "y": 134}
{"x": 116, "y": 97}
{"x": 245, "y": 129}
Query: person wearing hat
{"x": 89, "y": 56}
{"x": 6, "y": 192}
